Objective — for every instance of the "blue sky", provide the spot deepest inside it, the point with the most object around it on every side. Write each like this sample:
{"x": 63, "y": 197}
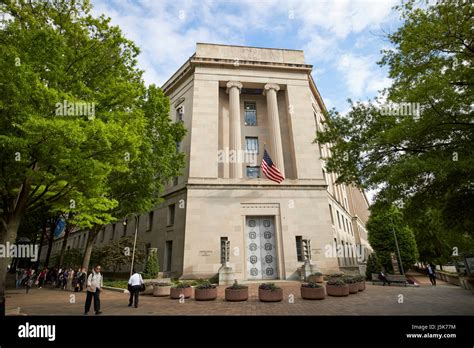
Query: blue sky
{"x": 342, "y": 39}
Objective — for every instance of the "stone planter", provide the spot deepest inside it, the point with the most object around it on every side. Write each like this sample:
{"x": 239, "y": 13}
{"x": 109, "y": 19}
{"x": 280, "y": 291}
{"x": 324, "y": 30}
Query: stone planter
{"x": 337, "y": 291}
{"x": 235, "y": 295}
{"x": 161, "y": 290}
{"x": 353, "y": 288}
{"x": 270, "y": 295}
{"x": 315, "y": 279}
{"x": 175, "y": 293}
{"x": 361, "y": 285}
{"x": 312, "y": 293}
{"x": 205, "y": 294}
{"x": 148, "y": 289}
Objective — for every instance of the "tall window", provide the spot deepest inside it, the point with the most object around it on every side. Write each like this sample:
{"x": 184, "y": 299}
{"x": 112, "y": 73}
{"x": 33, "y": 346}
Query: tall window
{"x": 180, "y": 113}
{"x": 250, "y": 113}
{"x": 224, "y": 250}
{"x": 112, "y": 234}
{"x": 171, "y": 212}
{"x": 338, "y": 219}
{"x": 168, "y": 255}
{"x": 125, "y": 226}
{"x": 253, "y": 172}
{"x": 251, "y": 144}
{"x": 330, "y": 213}
{"x": 150, "y": 221}
{"x": 299, "y": 248}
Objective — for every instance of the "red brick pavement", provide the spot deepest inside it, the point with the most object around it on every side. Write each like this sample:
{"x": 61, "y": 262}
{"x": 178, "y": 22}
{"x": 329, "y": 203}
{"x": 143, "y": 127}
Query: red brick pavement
{"x": 444, "y": 299}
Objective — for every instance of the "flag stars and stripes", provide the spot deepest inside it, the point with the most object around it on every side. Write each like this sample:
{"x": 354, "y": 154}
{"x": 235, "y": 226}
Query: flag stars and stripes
{"x": 270, "y": 169}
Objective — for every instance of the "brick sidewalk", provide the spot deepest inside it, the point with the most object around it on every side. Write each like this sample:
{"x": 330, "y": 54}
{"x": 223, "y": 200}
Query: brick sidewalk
{"x": 375, "y": 300}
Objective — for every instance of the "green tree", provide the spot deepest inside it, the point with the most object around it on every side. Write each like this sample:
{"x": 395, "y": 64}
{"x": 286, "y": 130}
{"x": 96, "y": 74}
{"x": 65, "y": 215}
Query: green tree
{"x": 425, "y": 159}
{"x": 373, "y": 266}
{"x": 71, "y": 258}
{"x": 54, "y": 53}
{"x": 139, "y": 190}
{"x": 384, "y": 220}
{"x": 118, "y": 254}
{"x": 151, "y": 267}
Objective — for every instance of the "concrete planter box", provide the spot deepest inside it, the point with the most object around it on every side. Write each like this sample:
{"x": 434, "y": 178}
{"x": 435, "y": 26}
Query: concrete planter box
{"x": 312, "y": 293}
{"x": 353, "y": 288}
{"x": 205, "y": 294}
{"x": 361, "y": 286}
{"x": 316, "y": 279}
{"x": 175, "y": 293}
{"x": 161, "y": 290}
{"x": 337, "y": 291}
{"x": 270, "y": 295}
{"x": 235, "y": 295}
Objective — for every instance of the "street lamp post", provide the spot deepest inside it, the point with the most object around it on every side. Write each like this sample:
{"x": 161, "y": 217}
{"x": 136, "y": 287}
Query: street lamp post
{"x": 137, "y": 220}
{"x": 398, "y": 249}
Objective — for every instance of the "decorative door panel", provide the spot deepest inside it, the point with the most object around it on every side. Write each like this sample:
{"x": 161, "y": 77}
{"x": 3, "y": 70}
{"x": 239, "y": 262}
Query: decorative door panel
{"x": 261, "y": 248}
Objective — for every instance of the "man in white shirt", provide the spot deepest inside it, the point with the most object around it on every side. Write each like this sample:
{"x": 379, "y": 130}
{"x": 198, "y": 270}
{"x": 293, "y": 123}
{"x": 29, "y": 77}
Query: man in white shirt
{"x": 134, "y": 286}
{"x": 94, "y": 287}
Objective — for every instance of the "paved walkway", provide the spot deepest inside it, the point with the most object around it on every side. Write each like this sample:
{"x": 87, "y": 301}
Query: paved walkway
{"x": 444, "y": 299}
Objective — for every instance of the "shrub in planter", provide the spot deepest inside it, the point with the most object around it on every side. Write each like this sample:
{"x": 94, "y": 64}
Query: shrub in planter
{"x": 316, "y": 278}
{"x": 161, "y": 289}
{"x": 312, "y": 291}
{"x": 334, "y": 275}
{"x": 181, "y": 288}
{"x": 337, "y": 287}
{"x": 205, "y": 292}
{"x": 269, "y": 292}
{"x": 360, "y": 282}
{"x": 236, "y": 292}
{"x": 353, "y": 284}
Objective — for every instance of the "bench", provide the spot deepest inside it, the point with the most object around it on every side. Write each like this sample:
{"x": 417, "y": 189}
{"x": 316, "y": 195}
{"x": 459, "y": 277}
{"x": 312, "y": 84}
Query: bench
{"x": 392, "y": 278}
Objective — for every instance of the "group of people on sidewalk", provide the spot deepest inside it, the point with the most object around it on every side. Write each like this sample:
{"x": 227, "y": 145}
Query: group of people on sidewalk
{"x": 68, "y": 279}
{"x": 64, "y": 278}
{"x": 95, "y": 284}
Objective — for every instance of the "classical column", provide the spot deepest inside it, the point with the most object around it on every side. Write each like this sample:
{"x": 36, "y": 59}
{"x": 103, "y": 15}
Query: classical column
{"x": 235, "y": 143}
{"x": 270, "y": 90}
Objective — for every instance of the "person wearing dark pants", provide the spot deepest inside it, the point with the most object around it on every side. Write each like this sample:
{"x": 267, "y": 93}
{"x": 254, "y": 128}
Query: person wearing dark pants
{"x": 96, "y": 297}
{"x": 431, "y": 274}
{"x": 94, "y": 287}
{"x": 135, "y": 284}
{"x": 383, "y": 278}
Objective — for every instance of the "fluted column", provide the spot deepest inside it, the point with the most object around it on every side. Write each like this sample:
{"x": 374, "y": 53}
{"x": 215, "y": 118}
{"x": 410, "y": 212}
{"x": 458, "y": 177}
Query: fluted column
{"x": 270, "y": 90}
{"x": 235, "y": 143}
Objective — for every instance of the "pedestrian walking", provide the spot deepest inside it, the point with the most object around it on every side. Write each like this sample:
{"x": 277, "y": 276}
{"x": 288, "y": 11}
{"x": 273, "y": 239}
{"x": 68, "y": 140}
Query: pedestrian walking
{"x": 431, "y": 272}
{"x": 81, "y": 278}
{"x": 383, "y": 278}
{"x": 135, "y": 284}
{"x": 70, "y": 278}
{"x": 94, "y": 287}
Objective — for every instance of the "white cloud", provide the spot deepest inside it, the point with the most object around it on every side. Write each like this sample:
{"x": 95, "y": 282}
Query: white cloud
{"x": 361, "y": 74}
{"x": 342, "y": 17}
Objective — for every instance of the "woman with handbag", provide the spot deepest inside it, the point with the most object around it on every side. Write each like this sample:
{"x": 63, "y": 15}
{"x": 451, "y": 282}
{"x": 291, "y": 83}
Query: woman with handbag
{"x": 135, "y": 285}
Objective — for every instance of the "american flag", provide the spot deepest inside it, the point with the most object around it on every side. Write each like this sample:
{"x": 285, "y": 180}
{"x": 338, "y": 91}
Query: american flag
{"x": 270, "y": 169}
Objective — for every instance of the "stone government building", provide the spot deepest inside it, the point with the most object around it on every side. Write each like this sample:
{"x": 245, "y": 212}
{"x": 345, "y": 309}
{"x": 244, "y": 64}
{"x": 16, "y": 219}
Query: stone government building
{"x": 246, "y": 98}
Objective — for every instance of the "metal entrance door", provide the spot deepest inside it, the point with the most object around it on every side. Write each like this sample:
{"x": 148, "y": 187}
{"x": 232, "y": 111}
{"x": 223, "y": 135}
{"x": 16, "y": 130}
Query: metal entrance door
{"x": 261, "y": 248}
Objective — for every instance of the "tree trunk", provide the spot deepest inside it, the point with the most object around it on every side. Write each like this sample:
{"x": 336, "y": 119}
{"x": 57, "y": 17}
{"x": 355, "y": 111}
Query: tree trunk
{"x": 89, "y": 245}
{"x": 67, "y": 231}
{"x": 40, "y": 248}
{"x": 10, "y": 222}
{"x": 50, "y": 245}
{"x": 8, "y": 235}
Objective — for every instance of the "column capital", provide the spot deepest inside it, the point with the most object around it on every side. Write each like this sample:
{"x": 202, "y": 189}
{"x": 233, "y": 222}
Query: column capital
{"x": 231, "y": 84}
{"x": 270, "y": 86}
